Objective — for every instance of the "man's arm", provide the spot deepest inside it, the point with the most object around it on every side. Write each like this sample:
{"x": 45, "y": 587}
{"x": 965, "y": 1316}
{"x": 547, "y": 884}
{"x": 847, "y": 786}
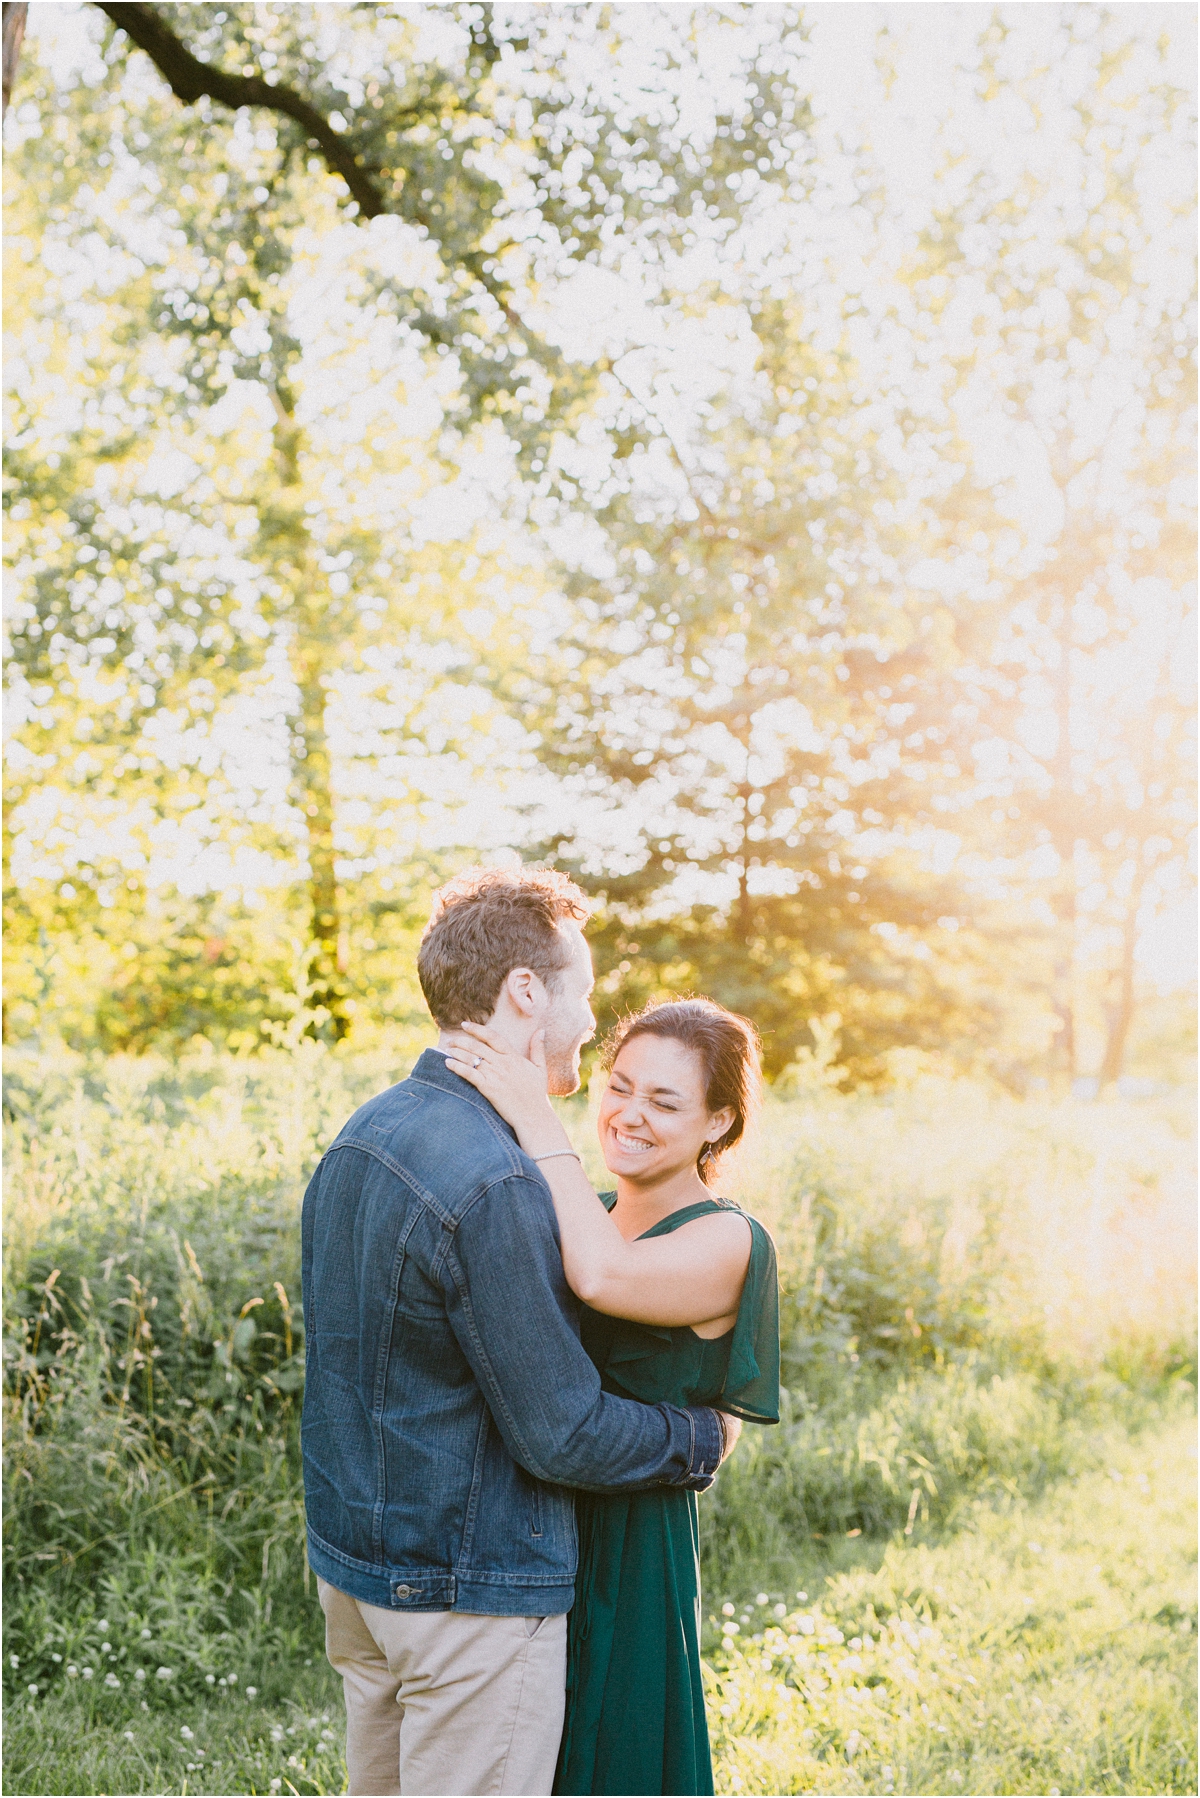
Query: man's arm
{"x": 512, "y": 1312}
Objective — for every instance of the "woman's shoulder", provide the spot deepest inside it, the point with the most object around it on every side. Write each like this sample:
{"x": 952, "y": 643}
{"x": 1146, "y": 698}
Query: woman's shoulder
{"x": 756, "y": 1224}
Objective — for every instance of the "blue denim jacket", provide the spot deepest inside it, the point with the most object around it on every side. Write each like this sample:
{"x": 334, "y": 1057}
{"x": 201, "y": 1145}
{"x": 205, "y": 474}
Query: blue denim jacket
{"x": 448, "y": 1402}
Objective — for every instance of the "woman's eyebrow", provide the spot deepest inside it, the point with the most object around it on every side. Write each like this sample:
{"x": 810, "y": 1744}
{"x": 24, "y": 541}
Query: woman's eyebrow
{"x": 654, "y": 1091}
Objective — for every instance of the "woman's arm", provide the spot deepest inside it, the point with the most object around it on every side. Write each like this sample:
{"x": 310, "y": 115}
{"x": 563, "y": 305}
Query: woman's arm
{"x": 692, "y": 1276}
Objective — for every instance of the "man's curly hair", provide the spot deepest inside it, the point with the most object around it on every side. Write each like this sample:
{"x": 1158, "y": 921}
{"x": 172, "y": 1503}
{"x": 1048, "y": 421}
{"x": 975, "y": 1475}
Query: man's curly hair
{"x": 484, "y": 924}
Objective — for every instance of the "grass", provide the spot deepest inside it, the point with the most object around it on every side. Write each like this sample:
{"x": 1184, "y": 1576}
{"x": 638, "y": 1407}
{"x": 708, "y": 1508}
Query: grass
{"x": 987, "y": 1314}
{"x": 1045, "y": 1648}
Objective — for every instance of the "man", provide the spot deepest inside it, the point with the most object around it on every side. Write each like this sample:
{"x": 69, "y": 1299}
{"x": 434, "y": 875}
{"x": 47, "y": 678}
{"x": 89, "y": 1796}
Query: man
{"x": 448, "y": 1402}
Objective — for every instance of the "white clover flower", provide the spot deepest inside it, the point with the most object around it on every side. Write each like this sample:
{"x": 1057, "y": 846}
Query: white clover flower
{"x": 128, "y": 1735}
{"x": 762, "y": 1598}
{"x": 32, "y": 1690}
{"x": 106, "y": 1647}
{"x": 146, "y": 1634}
{"x": 807, "y": 1626}
{"x": 727, "y": 1610}
{"x": 727, "y": 1710}
{"x": 210, "y": 1679}
{"x": 111, "y": 1681}
{"x": 87, "y": 1673}
{"x": 729, "y": 1630}
{"x": 327, "y": 1735}
{"x": 251, "y": 1691}
{"x": 102, "y": 1625}
{"x": 780, "y": 1610}
{"x": 139, "y": 1673}
{"x": 274, "y": 1785}
{"x": 165, "y": 1673}
{"x": 187, "y": 1734}
{"x": 14, "y": 1660}
{"x": 232, "y": 1678}
{"x": 72, "y": 1672}
{"x": 56, "y": 1658}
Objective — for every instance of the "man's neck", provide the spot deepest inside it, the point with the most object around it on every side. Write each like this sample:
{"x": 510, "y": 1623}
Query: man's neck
{"x": 514, "y": 1042}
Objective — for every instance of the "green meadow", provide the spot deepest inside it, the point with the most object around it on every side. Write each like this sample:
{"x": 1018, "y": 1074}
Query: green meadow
{"x": 963, "y": 1564}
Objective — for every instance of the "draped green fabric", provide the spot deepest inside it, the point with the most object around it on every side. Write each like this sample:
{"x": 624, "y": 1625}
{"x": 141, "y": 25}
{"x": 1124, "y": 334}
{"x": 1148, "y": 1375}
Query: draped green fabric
{"x": 635, "y": 1699}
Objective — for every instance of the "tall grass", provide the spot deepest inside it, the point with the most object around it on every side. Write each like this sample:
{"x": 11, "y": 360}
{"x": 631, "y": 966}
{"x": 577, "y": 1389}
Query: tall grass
{"x": 975, "y": 1289}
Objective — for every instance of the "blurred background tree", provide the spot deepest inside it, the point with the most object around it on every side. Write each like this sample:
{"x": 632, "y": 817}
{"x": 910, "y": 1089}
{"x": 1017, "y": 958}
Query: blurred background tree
{"x": 562, "y": 439}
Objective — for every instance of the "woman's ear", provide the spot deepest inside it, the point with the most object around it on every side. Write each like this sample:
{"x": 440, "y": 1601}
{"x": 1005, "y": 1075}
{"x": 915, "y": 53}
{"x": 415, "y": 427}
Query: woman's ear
{"x": 719, "y": 1123}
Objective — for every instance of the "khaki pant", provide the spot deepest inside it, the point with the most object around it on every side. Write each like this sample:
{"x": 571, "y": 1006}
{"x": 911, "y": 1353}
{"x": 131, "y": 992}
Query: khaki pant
{"x": 444, "y": 1702}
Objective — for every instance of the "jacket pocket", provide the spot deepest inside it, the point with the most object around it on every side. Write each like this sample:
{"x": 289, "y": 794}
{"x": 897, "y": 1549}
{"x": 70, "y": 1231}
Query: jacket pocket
{"x": 535, "y": 1510}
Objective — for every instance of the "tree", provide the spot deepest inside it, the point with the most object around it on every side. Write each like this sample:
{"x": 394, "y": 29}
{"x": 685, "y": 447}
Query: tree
{"x": 471, "y": 150}
{"x": 768, "y": 717}
{"x": 1061, "y": 291}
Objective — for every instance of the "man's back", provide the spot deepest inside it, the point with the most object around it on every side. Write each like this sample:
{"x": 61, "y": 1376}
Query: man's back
{"x": 448, "y": 1401}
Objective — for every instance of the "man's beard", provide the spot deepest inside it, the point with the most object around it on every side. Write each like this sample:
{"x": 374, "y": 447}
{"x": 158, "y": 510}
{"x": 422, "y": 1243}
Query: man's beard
{"x": 562, "y": 1070}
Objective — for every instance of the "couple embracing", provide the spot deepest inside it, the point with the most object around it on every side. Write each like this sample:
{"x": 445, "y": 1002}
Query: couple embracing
{"x": 516, "y": 1386}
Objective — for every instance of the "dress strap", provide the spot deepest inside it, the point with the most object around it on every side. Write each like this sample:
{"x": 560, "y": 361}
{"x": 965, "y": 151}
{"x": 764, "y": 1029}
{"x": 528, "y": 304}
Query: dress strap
{"x": 665, "y": 1225}
{"x": 702, "y": 1208}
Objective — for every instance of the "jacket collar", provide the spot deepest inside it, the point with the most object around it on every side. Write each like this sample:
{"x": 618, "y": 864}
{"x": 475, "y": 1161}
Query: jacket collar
{"x": 431, "y": 1070}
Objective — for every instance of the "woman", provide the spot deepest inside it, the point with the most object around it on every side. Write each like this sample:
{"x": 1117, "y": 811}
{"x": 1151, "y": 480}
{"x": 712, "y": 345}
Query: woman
{"x": 680, "y": 1306}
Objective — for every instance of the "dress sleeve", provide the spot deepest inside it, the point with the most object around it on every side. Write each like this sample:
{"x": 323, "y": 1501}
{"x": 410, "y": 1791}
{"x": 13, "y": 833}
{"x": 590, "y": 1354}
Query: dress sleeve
{"x": 751, "y": 1387}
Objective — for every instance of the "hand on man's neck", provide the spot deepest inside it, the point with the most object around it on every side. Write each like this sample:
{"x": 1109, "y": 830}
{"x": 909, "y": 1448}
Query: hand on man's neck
{"x": 516, "y": 1030}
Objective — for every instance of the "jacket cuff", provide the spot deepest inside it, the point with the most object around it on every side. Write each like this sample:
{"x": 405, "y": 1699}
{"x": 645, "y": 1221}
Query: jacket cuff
{"x": 707, "y": 1442}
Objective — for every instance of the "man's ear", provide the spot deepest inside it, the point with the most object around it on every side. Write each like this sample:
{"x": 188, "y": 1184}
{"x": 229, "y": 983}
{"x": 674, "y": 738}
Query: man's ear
{"x": 525, "y": 992}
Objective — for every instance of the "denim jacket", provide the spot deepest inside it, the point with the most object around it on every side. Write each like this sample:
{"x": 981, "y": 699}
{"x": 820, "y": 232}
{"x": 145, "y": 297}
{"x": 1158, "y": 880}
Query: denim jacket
{"x": 448, "y": 1402}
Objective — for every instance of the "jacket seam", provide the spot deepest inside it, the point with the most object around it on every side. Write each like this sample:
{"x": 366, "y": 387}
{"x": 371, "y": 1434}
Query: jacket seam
{"x": 379, "y": 1398}
{"x": 501, "y": 1405}
{"x": 377, "y": 1154}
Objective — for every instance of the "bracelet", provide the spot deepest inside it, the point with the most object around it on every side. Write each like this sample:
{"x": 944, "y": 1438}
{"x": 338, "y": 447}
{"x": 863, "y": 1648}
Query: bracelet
{"x": 554, "y": 1155}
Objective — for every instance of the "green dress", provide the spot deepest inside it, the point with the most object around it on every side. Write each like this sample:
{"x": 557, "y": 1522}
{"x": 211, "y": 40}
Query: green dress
{"x": 635, "y": 1718}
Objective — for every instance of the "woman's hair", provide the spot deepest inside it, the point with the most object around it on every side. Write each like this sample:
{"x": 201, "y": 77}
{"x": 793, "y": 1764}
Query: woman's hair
{"x": 728, "y": 1048}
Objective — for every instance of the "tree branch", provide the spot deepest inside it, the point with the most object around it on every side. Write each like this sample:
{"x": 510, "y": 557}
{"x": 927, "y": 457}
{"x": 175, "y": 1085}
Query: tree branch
{"x": 14, "y": 31}
{"x": 190, "y": 79}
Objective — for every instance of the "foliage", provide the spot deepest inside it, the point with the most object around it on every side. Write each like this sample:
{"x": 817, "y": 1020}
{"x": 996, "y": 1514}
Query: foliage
{"x": 1048, "y": 1647}
{"x": 154, "y": 1353}
{"x": 646, "y": 481}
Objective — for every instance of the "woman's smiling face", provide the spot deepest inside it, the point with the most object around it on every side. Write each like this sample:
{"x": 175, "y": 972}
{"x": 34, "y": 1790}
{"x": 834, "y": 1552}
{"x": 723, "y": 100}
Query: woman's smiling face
{"x": 653, "y": 1118}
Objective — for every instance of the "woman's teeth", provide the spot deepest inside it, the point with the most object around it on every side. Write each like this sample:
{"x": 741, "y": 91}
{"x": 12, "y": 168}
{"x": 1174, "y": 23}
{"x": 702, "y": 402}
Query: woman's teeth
{"x": 633, "y": 1143}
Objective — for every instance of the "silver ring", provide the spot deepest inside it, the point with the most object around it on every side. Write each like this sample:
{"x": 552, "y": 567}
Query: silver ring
{"x": 477, "y": 1061}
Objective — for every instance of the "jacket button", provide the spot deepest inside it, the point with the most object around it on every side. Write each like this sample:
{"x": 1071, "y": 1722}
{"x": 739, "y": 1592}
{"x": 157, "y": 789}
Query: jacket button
{"x": 403, "y": 1591}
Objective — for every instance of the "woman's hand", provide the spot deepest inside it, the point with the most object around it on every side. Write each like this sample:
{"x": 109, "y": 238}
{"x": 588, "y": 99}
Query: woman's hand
{"x": 514, "y": 1085}
{"x": 733, "y": 1429}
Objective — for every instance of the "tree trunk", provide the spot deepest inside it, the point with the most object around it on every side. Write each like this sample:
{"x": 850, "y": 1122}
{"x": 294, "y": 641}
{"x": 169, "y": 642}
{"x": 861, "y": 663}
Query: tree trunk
{"x": 1064, "y": 843}
{"x": 1064, "y": 969}
{"x": 14, "y": 33}
{"x": 1120, "y": 1016}
{"x": 290, "y": 549}
{"x": 745, "y": 911}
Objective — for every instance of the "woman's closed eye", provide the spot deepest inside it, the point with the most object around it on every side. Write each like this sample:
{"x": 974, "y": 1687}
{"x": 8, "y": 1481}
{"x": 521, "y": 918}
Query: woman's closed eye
{"x": 626, "y": 1092}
